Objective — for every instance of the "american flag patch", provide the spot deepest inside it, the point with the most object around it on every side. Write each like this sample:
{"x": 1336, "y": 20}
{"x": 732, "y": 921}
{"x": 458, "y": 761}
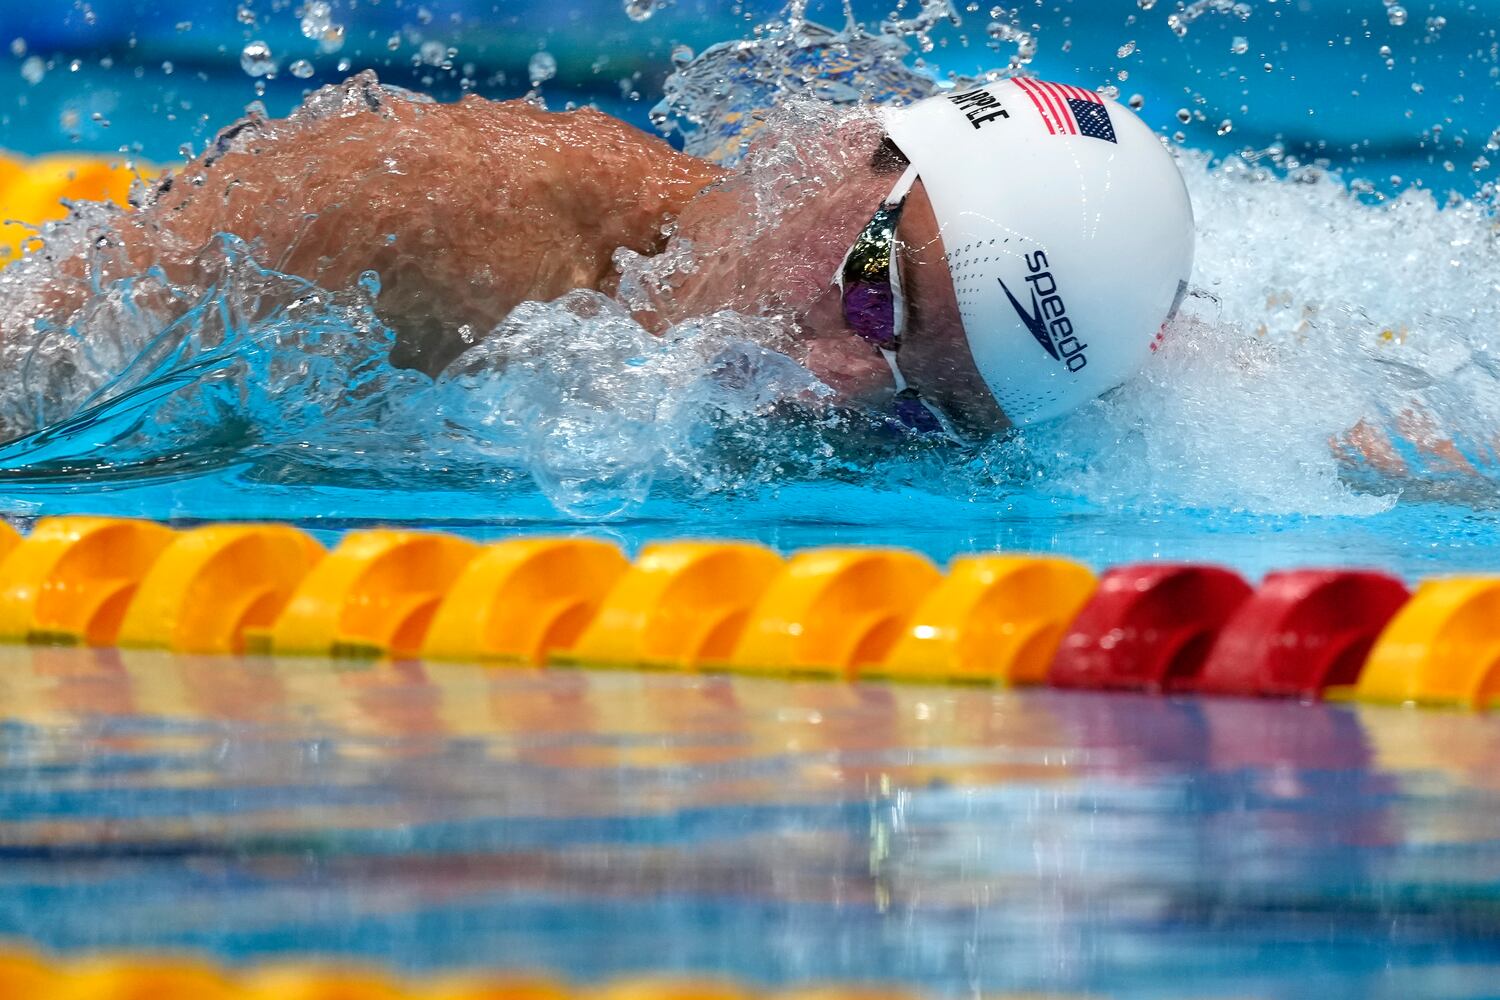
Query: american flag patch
{"x": 1068, "y": 110}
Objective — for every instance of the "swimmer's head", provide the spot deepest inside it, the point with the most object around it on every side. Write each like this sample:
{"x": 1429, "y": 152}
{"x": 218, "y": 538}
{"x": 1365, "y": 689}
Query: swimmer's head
{"x": 1067, "y": 231}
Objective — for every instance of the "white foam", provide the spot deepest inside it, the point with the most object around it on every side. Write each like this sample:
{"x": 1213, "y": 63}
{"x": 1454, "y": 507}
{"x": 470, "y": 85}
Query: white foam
{"x": 1312, "y": 312}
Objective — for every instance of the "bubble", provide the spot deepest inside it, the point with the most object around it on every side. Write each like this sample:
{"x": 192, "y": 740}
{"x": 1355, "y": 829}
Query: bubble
{"x": 1240, "y": 45}
{"x": 18, "y": 47}
{"x": 301, "y": 69}
{"x": 1136, "y": 102}
{"x": 1185, "y": 15}
{"x": 1005, "y": 33}
{"x": 257, "y": 60}
{"x": 541, "y": 68}
{"x": 1225, "y": 127}
{"x": 641, "y": 10}
{"x": 316, "y": 18}
{"x": 681, "y": 55}
{"x": 33, "y": 69}
{"x": 1125, "y": 50}
{"x": 432, "y": 53}
{"x": 1396, "y": 14}
{"x": 332, "y": 40}
{"x": 1184, "y": 115}
{"x": 1145, "y": 4}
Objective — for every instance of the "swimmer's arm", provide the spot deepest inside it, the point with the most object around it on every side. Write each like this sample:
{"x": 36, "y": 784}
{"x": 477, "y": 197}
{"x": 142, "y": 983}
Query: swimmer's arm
{"x": 463, "y": 210}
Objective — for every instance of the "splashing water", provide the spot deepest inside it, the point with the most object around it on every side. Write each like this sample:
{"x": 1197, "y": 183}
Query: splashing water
{"x": 719, "y": 99}
{"x": 1313, "y": 315}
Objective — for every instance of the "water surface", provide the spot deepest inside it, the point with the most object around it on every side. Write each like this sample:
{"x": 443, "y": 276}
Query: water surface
{"x": 960, "y": 840}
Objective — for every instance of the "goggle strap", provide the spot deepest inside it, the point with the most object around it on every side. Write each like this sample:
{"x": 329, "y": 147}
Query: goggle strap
{"x": 896, "y": 200}
{"x": 898, "y": 291}
{"x": 890, "y": 360}
{"x": 903, "y": 187}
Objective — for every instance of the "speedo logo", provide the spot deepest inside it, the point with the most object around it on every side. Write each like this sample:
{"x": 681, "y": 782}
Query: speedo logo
{"x": 1047, "y": 319}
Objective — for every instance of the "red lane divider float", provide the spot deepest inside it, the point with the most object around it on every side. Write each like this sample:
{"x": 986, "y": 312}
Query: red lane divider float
{"x": 1148, "y": 627}
{"x": 848, "y": 613}
{"x": 1301, "y": 633}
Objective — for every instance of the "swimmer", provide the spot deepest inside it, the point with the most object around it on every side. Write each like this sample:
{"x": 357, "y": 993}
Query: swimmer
{"x": 942, "y": 263}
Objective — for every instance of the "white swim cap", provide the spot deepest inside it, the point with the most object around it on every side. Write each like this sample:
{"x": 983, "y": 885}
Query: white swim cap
{"x": 1068, "y": 233}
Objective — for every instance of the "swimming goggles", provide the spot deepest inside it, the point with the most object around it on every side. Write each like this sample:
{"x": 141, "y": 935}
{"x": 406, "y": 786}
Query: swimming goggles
{"x": 874, "y": 304}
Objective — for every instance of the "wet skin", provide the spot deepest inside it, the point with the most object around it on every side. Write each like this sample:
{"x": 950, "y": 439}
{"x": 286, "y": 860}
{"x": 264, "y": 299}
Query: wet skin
{"x": 466, "y": 210}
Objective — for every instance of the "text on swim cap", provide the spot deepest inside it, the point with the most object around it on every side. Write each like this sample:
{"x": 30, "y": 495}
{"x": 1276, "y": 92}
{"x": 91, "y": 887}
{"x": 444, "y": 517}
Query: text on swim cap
{"x": 1048, "y": 317}
{"x": 979, "y": 106}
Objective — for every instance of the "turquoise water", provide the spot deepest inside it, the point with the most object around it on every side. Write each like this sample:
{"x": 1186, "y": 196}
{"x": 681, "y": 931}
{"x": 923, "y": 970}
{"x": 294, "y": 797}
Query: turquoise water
{"x": 960, "y": 840}
{"x": 964, "y": 841}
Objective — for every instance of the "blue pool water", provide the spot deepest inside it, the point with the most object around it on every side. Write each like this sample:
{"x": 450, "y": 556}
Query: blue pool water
{"x": 964, "y": 841}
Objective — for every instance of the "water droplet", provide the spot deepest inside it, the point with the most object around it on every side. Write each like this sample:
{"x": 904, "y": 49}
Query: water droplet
{"x": 1125, "y": 50}
{"x": 256, "y": 59}
{"x": 543, "y": 67}
{"x": 1240, "y": 45}
{"x": 301, "y": 69}
{"x": 641, "y": 10}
